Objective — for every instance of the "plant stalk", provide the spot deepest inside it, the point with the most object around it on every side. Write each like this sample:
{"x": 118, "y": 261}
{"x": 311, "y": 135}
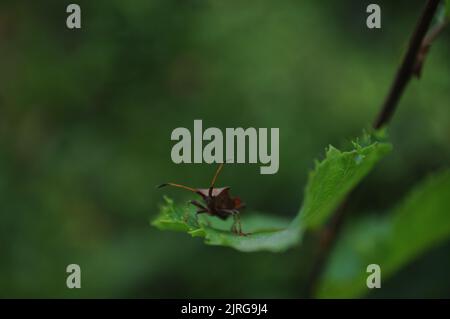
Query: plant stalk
{"x": 410, "y": 66}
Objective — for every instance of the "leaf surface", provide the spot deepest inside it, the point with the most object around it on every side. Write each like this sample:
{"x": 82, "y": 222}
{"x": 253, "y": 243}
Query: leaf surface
{"x": 420, "y": 222}
{"x": 328, "y": 184}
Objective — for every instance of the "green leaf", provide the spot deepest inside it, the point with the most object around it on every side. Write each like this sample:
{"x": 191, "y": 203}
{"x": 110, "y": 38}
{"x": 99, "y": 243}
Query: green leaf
{"x": 391, "y": 241}
{"x": 328, "y": 184}
{"x": 334, "y": 177}
{"x": 265, "y": 232}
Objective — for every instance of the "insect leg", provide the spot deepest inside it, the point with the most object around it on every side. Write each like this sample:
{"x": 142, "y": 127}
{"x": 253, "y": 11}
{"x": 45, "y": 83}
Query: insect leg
{"x": 227, "y": 211}
{"x": 232, "y": 213}
{"x": 237, "y": 219}
{"x": 202, "y": 207}
{"x": 237, "y": 226}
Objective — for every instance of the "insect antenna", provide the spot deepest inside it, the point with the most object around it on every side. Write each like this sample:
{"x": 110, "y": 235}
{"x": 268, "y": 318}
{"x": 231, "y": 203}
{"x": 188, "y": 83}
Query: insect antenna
{"x": 178, "y": 186}
{"x": 214, "y": 179}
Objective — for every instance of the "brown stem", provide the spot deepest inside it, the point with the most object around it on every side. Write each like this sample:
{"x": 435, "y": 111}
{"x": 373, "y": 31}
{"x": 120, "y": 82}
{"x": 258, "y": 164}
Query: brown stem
{"x": 433, "y": 34}
{"x": 326, "y": 243}
{"x": 407, "y": 69}
{"x": 426, "y": 45}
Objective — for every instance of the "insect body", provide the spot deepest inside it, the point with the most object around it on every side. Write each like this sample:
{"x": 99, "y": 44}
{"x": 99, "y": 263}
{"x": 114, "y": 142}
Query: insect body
{"x": 216, "y": 202}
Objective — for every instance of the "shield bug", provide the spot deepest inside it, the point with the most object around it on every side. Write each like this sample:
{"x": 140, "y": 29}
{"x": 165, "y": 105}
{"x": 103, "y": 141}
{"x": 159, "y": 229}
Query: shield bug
{"x": 217, "y": 202}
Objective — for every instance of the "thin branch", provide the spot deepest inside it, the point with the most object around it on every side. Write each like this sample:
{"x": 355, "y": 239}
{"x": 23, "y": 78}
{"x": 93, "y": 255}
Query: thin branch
{"x": 404, "y": 74}
{"x": 326, "y": 243}
{"x": 406, "y": 70}
{"x": 433, "y": 34}
{"x": 426, "y": 45}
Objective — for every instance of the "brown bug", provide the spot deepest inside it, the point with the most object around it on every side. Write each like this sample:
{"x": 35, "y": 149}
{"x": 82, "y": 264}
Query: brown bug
{"x": 218, "y": 202}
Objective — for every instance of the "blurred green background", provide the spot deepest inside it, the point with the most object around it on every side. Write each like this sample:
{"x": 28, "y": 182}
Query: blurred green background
{"x": 86, "y": 117}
